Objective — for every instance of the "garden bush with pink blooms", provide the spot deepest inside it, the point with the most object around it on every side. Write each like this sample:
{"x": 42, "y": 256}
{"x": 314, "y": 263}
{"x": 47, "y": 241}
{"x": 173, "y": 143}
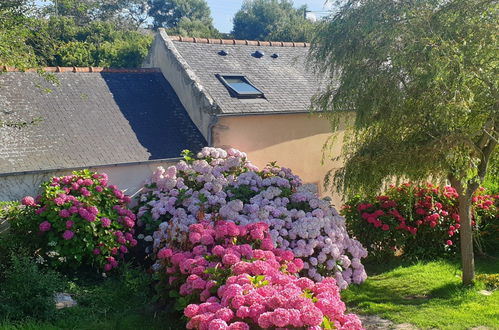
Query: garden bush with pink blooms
{"x": 226, "y": 276}
{"x": 223, "y": 185}
{"x": 78, "y": 220}
{"x": 418, "y": 221}
{"x": 240, "y": 248}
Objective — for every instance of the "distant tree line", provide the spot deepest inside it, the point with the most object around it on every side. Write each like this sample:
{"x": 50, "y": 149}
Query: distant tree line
{"x": 118, "y": 33}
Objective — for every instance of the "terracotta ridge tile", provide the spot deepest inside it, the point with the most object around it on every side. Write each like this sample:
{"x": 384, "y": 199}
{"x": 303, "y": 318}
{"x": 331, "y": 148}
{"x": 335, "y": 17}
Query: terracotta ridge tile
{"x": 5, "y": 68}
{"x": 239, "y": 42}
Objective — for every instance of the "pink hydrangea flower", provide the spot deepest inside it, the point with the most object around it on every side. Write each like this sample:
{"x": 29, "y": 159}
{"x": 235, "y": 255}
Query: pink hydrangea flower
{"x": 165, "y": 253}
{"x": 45, "y": 226}
{"x": 68, "y": 234}
{"x": 105, "y": 222}
{"x": 64, "y": 213}
{"x": 28, "y": 201}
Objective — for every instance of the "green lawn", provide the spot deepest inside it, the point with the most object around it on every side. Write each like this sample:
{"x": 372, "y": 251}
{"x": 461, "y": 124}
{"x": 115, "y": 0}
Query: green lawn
{"x": 427, "y": 295}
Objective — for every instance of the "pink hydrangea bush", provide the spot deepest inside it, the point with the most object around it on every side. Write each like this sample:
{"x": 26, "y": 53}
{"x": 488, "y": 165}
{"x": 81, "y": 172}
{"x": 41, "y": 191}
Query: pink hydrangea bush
{"x": 80, "y": 219}
{"x": 219, "y": 184}
{"x": 231, "y": 277}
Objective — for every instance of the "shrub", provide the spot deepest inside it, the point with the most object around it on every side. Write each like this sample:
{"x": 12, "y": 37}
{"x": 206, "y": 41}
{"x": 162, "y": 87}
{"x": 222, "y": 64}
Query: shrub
{"x": 418, "y": 221}
{"x": 491, "y": 281}
{"x": 26, "y": 291}
{"x": 486, "y": 214}
{"x": 79, "y": 220}
{"x": 231, "y": 277}
{"x": 219, "y": 184}
{"x": 15, "y": 232}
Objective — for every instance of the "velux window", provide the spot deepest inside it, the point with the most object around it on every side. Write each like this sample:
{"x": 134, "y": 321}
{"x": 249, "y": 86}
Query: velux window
{"x": 239, "y": 86}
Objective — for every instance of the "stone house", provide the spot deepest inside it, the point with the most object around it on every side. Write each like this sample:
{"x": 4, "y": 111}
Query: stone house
{"x": 250, "y": 95}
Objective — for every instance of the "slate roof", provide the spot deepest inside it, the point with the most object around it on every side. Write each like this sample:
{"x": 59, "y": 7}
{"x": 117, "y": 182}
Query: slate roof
{"x": 91, "y": 119}
{"x": 287, "y": 84}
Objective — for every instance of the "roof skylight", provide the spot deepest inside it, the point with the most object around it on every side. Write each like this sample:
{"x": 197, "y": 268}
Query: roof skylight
{"x": 239, "y": 86}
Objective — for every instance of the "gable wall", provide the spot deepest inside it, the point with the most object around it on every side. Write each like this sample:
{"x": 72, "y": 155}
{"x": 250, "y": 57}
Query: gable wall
{"x": 197, "y": 103}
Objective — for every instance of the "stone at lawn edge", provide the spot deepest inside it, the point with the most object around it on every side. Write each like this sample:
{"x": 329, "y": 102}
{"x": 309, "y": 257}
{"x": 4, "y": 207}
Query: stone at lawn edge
{"x": 374, "y": 322}
{"x": 63, "y": 300}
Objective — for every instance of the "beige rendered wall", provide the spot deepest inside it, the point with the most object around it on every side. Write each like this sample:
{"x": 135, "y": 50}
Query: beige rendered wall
{"x": 128, "y": 177}
{"x": 293, "y": 140}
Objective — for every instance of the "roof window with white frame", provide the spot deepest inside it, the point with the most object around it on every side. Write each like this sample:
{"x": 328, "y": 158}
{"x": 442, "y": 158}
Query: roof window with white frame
{"x": 239, "y": 86}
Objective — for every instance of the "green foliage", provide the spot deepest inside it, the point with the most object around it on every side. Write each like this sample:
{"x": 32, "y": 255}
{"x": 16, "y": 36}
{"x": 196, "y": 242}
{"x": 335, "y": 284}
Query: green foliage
{"x": 16, "y": 235}
{"x": 194, "y": 28}
{"x": 63, "y": 41}
{"x": 122, "y": 301}
{"x": 15, "y": 30}
{"x": 81, "y": 10}
{"x": 26, "y": 291}
{"x": 421, "y": 77}
{"x": 170, "y": 13}
{"x": 127, "y": 14}
{"x": 272, "y": 20}
{"x": 491, "y": 281}
{"x": 97, "y": 44}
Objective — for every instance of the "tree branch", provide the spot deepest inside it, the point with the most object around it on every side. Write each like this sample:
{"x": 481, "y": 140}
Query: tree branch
{"x": 484, "y": 161}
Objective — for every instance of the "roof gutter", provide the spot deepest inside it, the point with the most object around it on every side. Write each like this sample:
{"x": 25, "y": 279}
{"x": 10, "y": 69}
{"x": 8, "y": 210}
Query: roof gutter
{"x": 241, "y": 114}
{"x": 145, "y": 162}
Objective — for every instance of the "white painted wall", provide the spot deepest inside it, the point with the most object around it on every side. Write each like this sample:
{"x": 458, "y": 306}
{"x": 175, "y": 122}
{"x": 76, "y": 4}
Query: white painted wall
{"x": 128, "y": 177}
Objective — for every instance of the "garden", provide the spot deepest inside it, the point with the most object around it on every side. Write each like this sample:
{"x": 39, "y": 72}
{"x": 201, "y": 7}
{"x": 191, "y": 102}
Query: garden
{"x": 216, "y": 243}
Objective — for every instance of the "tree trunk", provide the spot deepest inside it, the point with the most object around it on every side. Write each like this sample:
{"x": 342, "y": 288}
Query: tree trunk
{"x": 466, "y": 235}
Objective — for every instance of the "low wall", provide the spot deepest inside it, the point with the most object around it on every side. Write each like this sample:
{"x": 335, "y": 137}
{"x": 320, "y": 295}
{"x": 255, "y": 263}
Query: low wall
{"x": 128, "y": 177}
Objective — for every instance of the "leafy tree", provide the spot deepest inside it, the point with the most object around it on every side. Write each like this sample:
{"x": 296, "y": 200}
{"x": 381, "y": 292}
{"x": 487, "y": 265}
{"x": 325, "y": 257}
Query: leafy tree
{"x": 16, "y": 28}
{"x": 272, "y": 20}
{"x": 421, "y": 77}
{"x": 169, "y": 13}
{"x": 194, "y": 28}
{"x": 82, "y": 11}
{"x": 96, "y": 44}
{"x": 124, "y": 13}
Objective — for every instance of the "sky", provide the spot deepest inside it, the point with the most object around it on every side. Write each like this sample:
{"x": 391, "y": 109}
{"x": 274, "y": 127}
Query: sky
{"x": 224, "y": 10}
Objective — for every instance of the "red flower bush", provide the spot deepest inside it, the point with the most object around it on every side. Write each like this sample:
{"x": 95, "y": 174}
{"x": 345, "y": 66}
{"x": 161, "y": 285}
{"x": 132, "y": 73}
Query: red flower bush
{"x": 486, "y": 215}
{"x": 227, "y": 276}
{"x": 419, "y": 221}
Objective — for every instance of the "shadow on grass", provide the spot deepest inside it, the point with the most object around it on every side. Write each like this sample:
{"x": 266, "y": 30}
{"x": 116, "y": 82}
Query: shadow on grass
{"x": 487, "y": 264}
{"x": 375, "y": 267}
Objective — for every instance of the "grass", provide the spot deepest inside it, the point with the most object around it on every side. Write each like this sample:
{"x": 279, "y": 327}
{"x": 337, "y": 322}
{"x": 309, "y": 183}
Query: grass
{"x": 427, "y": 295}
{"x": 120, "y": 302}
